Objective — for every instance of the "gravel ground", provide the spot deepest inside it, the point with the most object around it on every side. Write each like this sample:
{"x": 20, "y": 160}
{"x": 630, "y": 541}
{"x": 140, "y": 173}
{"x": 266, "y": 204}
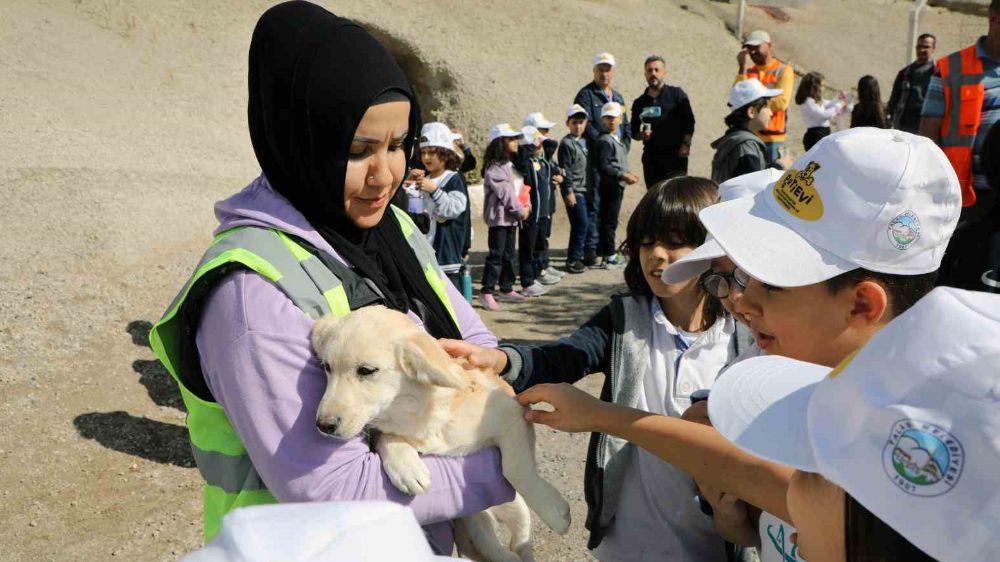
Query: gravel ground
{"x": 124, "y": 120}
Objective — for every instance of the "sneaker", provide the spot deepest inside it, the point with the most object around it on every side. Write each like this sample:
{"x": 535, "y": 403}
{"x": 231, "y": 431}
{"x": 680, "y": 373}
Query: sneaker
{"x": 589, "y": 258}
{"x": 536, "y": 289}
{"x": 576, "y": 267}
{"x": 554, "y": 272}
{"x": 511, "y": 296}
{"x": 487, "y": 301}
{"x": 615, "y": 261}
{"x": 547, "y": 279}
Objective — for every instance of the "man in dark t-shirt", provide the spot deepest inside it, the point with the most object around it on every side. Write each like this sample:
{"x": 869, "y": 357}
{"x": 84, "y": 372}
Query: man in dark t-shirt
{"x": 910, "y": 87}
{"x": 662, "y": 119}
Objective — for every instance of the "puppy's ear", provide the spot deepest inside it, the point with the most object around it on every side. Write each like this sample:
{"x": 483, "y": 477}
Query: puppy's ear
{"x": 322, "y": 331}
{"x": 422, "y": 358}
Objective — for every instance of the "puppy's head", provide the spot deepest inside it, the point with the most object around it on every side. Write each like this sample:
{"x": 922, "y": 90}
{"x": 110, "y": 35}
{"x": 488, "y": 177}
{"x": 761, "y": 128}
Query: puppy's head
{"x": 375, "y": 359}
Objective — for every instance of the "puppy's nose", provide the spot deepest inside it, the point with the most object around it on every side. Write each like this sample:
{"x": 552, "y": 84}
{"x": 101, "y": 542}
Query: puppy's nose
{"x": 328, "y": 427}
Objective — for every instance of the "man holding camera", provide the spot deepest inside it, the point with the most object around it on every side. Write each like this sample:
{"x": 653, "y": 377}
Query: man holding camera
{"x": 662, "y": 119}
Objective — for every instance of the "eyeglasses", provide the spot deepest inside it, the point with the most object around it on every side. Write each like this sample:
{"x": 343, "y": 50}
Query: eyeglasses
{"x": 719, "y": 284}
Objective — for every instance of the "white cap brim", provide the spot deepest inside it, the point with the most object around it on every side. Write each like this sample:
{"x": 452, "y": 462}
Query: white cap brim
{"x": 694, "y": 263}
{"x": 760, "y": 405}
{"x": 762, "y": 245}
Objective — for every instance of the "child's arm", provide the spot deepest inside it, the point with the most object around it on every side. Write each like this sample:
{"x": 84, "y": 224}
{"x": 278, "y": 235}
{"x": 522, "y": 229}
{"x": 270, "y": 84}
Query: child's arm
{"x": 567, "y": 359}
{"x": 606, "y": 163}
{"x": 451, "y": 199}
{"x": 503, "y": 186}
{"x": 696, "y": 449}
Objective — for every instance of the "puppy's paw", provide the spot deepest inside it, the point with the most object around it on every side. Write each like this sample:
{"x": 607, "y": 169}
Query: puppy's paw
{"x": 409, "y": 475}
{"x": 555, "y": 514}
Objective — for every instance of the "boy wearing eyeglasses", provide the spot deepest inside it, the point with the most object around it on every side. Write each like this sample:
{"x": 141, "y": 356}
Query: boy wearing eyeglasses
{"x": 822, "y": 259}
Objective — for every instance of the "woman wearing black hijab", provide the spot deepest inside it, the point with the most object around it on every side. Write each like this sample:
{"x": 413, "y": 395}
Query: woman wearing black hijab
{"x": 332, "y": 118}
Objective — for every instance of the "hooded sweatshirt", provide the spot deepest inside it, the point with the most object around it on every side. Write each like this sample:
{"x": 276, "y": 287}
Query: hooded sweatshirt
{"x": 737, "y": 152}
{"x": 259, "y": 364}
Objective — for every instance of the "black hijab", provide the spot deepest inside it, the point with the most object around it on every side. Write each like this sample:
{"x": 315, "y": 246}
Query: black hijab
{"x": 312, "y": 77}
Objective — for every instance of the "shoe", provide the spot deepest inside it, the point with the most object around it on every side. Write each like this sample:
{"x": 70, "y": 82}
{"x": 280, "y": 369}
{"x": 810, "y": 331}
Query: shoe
{"x": 487, "y": 301}
{"x": 589, "y": 258}
{"x": 512, "y": 296}
{"x": 576, "y": 267}
{"x": 547, "y": 279}
{"x": 536, "y": 289}
{"x": 554, "y": 272}
{"x": 615, "y": 261}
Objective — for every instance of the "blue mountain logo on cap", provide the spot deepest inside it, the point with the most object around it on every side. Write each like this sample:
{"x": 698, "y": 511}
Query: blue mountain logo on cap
{"x": 904, "y": 230}
{"x": 922, "y": 459}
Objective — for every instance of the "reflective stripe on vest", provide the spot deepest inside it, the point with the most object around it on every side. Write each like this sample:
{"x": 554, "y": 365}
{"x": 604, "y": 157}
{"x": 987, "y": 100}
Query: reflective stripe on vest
{"x": 231, "y": 481}
{"x": 777, "y": 126}
{"x": 964, "y": 93}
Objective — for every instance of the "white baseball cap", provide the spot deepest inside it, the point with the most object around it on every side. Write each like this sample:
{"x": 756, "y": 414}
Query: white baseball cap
{"x": 611, "y": 109}
{"x": 750, "y": 90}
{"x": 317, "y": 531}
{"x": 502, "y": 130}
{"x": 538, "y": 120}
{"x": 604, "y": 58}
{"x": 908, "y": 426}
{"x": 757, "y": 37}
{"x": 700, "y": 259}
{"x": 530, "y": 135}
{"x": 576, "y": 109}
{"x": 438, "y": 135}
{"x": 878, "y": 199}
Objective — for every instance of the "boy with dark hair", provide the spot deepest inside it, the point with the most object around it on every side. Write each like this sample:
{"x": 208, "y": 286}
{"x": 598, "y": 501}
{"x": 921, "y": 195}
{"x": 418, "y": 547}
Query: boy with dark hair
{"x": 577, "y": 186}
{"x": 612, "y": 162}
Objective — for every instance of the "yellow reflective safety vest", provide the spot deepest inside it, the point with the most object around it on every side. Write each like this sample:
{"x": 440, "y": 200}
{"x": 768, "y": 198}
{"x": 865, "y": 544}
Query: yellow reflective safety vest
{"x": 231, "y": 481}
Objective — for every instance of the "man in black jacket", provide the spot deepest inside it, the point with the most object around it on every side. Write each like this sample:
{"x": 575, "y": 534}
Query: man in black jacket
{"x": 910, "y": 87}
{"x": 663, "y": 120}
{"x": 592, "y": 98}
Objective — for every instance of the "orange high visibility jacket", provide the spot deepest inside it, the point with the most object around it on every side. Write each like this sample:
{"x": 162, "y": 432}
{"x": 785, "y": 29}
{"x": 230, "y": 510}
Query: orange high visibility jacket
{"x": 962, "y": 79}
{"x": 769, "y": 77}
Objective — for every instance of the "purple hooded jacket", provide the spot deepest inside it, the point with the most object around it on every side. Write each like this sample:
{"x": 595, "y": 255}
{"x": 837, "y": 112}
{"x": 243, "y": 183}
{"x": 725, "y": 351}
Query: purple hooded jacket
{"x": 259, "y": 365}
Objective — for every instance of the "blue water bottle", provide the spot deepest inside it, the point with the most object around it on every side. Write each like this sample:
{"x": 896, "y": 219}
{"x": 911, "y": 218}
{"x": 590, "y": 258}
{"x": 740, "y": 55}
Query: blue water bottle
{"x": 466, "y": 284}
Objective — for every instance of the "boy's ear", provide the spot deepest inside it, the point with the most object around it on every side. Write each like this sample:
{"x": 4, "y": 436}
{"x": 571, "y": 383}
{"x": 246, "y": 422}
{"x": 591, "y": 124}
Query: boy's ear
{"x": 421, "y": 357}
{"x": 871, "y": 303}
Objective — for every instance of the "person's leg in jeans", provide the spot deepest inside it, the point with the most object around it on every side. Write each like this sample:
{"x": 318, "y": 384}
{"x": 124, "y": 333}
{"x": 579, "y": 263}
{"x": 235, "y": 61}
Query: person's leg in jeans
{"x": 509, "y": 254}
{"x": 593, "y": 224}
{"x": 526, "y": 239}
{"x": 611, "y": 203}
{"x": 496, "y": 239}
{"x": 542, "y": 245}
{"x": 578, "y": 227}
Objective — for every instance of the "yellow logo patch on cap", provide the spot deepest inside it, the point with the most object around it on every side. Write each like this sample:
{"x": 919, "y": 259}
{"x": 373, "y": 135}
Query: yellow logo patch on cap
{"x": 795, "y": 192}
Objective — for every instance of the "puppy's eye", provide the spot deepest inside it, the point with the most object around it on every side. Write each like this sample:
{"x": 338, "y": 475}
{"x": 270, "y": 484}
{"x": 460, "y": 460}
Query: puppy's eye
{"x": 366, "y": 371}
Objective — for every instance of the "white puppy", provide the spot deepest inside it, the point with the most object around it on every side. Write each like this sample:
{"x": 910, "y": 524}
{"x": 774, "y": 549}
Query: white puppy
{"x": 384, "y": 372}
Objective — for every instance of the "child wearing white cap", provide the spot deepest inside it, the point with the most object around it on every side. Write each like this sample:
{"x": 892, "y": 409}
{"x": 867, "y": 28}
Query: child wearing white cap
{"x": 895, "y": 450}
{"x": 740, "y": 151}
{"x": 577, "y": 186}
{"x": 843, "y": 242}
{"x": 502, "y": 211}
{"x": 611, "y": 159}
{"x": 656, "y": 346}
{"x": 451, "y": 225}
{"x": 547, "y": 275}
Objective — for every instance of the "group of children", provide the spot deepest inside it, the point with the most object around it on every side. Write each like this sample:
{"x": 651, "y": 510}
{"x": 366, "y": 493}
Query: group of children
{"x": 521, "y": 180}
{"x": 859, "y": 427}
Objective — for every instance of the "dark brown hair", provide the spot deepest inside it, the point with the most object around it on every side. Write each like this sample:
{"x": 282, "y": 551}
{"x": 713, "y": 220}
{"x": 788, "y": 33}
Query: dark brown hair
{"x": 869, "y": 111}
{"x": 903, "y": 290}
{"x": 669, "y": 213}
{"x": 810, "y": 87}
{"x": 868, "y": 539}
{"x": 495, "y": 153}
{"x": 449, "y": 157}
{"x": 739, "y": 117}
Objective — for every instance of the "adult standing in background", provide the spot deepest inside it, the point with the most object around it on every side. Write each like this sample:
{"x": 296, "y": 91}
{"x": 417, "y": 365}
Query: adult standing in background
{"x": 962, "y": 105}
{"x": 663, "y": 120}
{"x": 757, "y": 60}
{"x": 592, "y": 98}
{"x": 910, "y": 86}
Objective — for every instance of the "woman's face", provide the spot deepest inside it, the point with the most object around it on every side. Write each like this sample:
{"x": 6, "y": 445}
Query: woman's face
{"x": 376, "y": 163}
{"x": 817, "y": 509}
{"x": 655, "y": 256}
